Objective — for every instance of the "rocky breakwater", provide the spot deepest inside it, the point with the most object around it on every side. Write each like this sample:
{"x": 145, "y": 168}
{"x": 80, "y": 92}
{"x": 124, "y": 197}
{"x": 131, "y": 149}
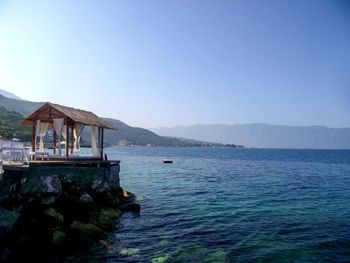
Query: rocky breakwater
{"x": 58, "y": 210}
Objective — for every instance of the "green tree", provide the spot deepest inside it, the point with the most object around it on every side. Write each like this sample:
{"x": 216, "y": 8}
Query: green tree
{"x": 10, "y": 128}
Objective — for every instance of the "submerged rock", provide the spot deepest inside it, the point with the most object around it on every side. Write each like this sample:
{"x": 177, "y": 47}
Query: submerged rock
{"x": 59, "y": 238}
{"x": 129, "y": 202}
{"x": 7, "y": 220}
{"x": 111, "y": 199}
{"x": 199, "y": 253}
{"x": 130, "y": 251}
{"x": 49, "y": 200}
{"x": 217, "y": 257}
{"x": 106, "y": 218}
{"x": 164, "y": 242}
{"x": 133, "y": 207}
{"x": 86, "y": 200}
{"x": 108, "y": 247}
{"x": 54, "y": 215}
{"x": 161, "y": 259}
{"x": 86, "y": 232}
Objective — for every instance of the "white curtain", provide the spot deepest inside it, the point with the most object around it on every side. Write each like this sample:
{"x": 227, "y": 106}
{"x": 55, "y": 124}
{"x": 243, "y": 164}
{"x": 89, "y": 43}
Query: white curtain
{"x": 42, "y": 131}
{"x": 76, "y": 133}
{"x": 58, "y": 125}
{"x": 64, "y": 132}
{"x": 94, "y": 148}
{"x": 64, "y": 135}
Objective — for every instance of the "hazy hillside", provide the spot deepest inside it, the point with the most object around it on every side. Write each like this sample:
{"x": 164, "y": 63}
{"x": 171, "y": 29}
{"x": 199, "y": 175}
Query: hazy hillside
{"x": 9, "y": 94}
{"x": 264, "y": 135}
{"x": 133, "y": 135}
{"x": 21, "y": 106}
{"x": 12, "y": 111}
{"x": 139, "y": 136}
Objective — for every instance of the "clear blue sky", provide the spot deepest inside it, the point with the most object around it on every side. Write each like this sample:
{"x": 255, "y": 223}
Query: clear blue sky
{"x": 165, "y": 63}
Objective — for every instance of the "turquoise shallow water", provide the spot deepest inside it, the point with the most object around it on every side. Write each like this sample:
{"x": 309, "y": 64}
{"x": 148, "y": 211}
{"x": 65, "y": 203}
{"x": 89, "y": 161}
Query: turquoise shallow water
{"x": 234, "y": 205}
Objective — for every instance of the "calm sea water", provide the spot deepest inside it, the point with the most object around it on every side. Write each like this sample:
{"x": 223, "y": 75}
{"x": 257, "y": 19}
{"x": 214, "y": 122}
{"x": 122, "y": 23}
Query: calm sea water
{"x": 234, "y": 205}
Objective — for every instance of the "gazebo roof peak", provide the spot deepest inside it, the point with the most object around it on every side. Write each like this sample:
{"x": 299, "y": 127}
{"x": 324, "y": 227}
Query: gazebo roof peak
{"x": 50, "y": 111}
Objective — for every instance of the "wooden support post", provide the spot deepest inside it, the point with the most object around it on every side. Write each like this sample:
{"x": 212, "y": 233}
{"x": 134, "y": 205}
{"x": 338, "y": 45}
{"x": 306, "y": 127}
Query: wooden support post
{"x": 101, "y": 143}
{"x": 54, "y": 141}
{"x": 33, "y": 136}
{"x": 72, "y": 139}
{"x": 99, "y": 140}
{"x": 67, "y": 140}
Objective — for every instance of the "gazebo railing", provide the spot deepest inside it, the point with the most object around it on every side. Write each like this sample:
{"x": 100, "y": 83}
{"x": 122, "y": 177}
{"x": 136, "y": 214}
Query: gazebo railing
{"x": 13, "y": 152}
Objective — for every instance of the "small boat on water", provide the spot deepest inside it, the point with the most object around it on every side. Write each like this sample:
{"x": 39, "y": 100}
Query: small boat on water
{"x": 167, "y": 161}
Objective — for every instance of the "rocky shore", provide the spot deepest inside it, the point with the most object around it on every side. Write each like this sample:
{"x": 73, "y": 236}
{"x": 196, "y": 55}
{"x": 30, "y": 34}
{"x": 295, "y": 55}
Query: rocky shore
{"x": 60, "y": 213}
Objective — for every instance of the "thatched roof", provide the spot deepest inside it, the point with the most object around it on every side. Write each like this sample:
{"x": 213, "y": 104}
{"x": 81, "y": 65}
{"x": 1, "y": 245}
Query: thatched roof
{"x": 50, "y": 111}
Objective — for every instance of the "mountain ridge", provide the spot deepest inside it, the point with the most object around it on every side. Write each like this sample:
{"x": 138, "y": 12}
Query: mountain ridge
{"x": 264, "y": 135}
{"x": 23, "y": 107}
{"x": 126, "y": 135}
{"x": 9, "y": 94}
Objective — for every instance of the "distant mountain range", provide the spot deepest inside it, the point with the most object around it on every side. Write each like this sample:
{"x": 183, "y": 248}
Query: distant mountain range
{"x": 265, "y": 135}
{"x": 13, "y": 110}
{"x": 126, "y": 135}
{"x": 249, "y": 135}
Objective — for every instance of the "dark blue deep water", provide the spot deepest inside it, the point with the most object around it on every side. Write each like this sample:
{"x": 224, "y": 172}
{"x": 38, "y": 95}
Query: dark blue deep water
{"x": 234, "y": 205}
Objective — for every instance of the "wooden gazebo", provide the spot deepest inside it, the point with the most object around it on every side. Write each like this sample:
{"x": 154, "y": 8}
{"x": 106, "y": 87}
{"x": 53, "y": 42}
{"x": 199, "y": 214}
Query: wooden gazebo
{"x": 65, "y": 121}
